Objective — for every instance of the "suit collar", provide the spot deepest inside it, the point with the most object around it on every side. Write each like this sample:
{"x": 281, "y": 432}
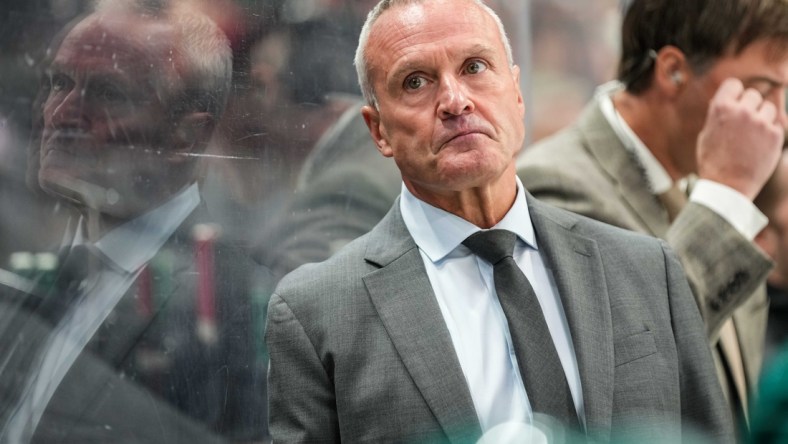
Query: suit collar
{"x": 133, "y": 244}
{"x": 438, "y": 232}
{"x": 622, "y": 169}
{"x": 172, "y": 271}
{"x": 401, "y": 292}
{"x": 389, "y": 239}
{"x": 655, "y": 174}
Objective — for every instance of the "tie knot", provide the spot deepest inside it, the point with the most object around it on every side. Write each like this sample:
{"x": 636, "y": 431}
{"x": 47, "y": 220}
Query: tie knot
{"x": 77, "y": 263}
{"x": 674, "y": 199}
{"x": 491, "y": 245}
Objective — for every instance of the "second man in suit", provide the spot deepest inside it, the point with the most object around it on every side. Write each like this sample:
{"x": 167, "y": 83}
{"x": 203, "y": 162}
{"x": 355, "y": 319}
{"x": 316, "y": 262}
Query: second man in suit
{"x": 700, "y": 107}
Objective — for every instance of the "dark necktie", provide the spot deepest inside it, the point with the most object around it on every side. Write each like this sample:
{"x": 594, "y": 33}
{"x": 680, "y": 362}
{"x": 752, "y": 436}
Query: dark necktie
{"x": 76, "y": 265}
{"x": 674, "y": 200}
{"x": 540, "y": 367}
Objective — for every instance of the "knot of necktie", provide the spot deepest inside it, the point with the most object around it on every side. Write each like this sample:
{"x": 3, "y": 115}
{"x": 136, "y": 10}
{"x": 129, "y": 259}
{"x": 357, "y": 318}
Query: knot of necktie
{"x": 76, "y": 265}
{"x": 674, "y": 200}
{"x": 491, "y": 245}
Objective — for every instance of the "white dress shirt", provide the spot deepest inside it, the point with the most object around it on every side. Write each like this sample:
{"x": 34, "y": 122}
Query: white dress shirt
{"x": 731, "y": 205}
{"x": 124, "y": 250}
{"x": 463, "y": 285}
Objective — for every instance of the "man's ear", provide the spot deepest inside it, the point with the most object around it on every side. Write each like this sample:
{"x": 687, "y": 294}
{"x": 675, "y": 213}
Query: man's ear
{"x": 192, "y": 133}
{"x": 516, "y": 80}
{"x": 671, "y": 70}
{"x": 376, "y": 130}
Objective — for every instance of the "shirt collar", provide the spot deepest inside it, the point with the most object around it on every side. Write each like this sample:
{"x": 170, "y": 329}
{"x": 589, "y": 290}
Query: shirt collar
{"x": 658, "y": 179}
{"x": 134, "y": 243}
{"x": 438, "y": 232}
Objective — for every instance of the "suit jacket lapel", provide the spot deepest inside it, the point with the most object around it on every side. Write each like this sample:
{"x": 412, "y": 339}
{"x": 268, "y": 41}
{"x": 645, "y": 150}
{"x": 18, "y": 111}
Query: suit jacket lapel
{"x": 118, "y": 344}
{"x": 576, "y": 266}
{"x": 622, "y": 169}
{"x": 402, "y": 294}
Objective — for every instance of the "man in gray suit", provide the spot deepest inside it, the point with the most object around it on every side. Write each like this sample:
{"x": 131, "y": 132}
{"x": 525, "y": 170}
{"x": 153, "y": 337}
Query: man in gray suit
{"x": 419, "y": 332}
{"x": 701, "y": 96}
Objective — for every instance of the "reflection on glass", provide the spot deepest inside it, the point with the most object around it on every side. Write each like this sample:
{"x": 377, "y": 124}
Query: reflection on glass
{"x": 139, "y": 327}
{"x": 165, "y": 139}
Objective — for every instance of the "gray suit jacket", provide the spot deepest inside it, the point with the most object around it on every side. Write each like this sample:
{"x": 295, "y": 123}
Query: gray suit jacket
{"x": 149, "y": 378}
{"x": 360, "y": 352}
{"x": 586, "y": 169}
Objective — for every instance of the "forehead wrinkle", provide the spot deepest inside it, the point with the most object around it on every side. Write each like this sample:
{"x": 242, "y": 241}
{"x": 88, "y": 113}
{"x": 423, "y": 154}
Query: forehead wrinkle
{"x": 101, "y": 43}
{"x": 397, "y": 29}
{"x": 461, "y": 54}
{"x": 114, "y": 47}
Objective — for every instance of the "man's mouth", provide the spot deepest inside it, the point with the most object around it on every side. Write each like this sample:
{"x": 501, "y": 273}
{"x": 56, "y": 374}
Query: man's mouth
{"x": 67, "y": 135}
{"x": 71, "y": 142}
{"x": 459, "y": 136}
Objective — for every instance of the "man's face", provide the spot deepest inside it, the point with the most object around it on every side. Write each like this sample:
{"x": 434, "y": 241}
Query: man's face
{"x": 106, "y": 128}
{"x": 763, "y": 66}
{"x": 450, "y": 111}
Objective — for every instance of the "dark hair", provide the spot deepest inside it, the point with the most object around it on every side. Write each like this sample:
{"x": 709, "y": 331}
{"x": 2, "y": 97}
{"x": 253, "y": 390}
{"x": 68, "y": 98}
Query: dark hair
{"x": 703, "y": 29}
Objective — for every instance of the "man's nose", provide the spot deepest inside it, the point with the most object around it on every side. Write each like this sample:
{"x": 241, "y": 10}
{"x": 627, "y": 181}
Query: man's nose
{"x": 453, "y": 98}
{"x": 69, "y": 110}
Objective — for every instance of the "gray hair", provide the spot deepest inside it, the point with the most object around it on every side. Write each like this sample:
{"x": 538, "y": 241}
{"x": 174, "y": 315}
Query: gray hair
{"x": 361, "y": 60}
{"x": 200, "y": 44}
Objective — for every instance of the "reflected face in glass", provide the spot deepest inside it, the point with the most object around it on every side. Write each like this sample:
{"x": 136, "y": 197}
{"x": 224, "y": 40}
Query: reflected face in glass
{"x": 450, "y": 111}
{"x": 106, "y": 127}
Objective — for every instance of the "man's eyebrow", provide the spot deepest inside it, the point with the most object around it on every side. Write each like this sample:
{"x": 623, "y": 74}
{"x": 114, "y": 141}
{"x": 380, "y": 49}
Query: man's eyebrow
{"x": 763, "y": 79}
{"x": 94, "y": 75}
{"x": 402, "y": 70}
{"x": 475, "y": 50}
{"x": 54, "y": 67}
{"x": 478, "y": 50}
{"x": 59, "y": 67}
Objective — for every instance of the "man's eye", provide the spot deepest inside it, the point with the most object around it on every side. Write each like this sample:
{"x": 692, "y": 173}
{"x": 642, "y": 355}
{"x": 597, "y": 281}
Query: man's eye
{"x": 764, "y": 87}
{"x": 108, "y": 93}
{"x": 60, "y": 83}
{"x": 475, "y": 67}
{"x": 414, "y": 82}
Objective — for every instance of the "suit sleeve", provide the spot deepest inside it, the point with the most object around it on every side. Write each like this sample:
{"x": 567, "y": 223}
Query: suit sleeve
{"x": 703, "y": 406}
{"x": 723, "y": 267}
{"x": 302, "y": 406}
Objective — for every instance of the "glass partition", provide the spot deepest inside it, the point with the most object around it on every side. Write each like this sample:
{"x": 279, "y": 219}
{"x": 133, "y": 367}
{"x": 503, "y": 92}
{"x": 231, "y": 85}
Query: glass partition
{"x": 164, "y": 163}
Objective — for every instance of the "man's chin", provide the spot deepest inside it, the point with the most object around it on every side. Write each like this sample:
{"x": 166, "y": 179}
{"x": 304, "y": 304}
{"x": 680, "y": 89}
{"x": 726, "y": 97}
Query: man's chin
{"x": 72, "y": 189}
{"x": 117, "y": 204}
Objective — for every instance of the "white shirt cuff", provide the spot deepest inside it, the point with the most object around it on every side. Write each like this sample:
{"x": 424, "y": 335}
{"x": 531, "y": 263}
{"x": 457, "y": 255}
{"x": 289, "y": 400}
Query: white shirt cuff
{"x": 731, "y": 205}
